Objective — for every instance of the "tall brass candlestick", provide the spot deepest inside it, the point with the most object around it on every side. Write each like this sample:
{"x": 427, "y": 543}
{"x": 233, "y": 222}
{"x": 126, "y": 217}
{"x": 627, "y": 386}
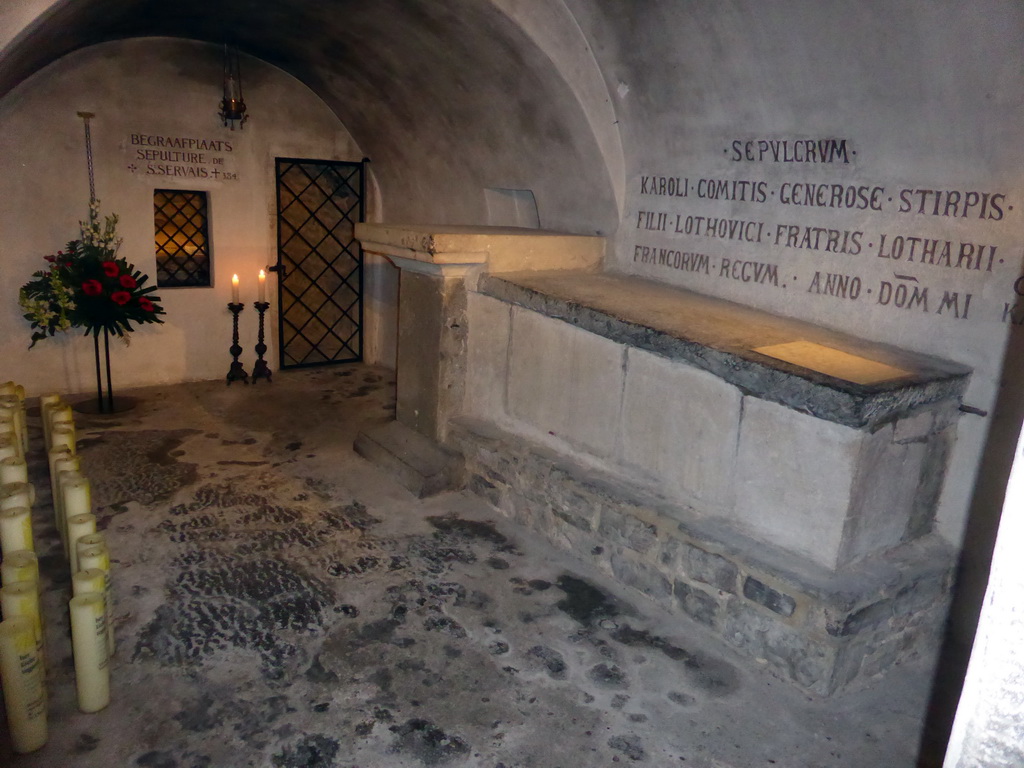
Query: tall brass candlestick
{"x": 261, "y": 370}
{"x": 236, "y": 372}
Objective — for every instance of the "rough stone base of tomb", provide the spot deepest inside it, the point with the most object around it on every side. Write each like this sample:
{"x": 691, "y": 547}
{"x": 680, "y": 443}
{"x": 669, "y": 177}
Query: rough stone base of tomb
{"x": 824, "y": 631}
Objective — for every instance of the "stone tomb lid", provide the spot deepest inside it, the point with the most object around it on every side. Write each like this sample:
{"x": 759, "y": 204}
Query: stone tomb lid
{"x": 826, "y": 373}
{"x": 503, "y": 249}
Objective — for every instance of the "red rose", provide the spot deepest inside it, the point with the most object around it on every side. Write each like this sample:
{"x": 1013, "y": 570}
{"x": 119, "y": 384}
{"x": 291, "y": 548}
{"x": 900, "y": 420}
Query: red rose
{"x": 50, "y": 259}
{"x": 146, "y": 304}
{"x": 120, "y": 297}
{"x": 127, "y": 281}
{"x": 92, "y": 288}
{"x": 110, "y": 268}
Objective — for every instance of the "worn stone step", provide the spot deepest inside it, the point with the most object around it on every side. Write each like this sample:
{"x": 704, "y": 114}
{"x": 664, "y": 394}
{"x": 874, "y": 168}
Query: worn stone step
{"x": 418, "y": 463}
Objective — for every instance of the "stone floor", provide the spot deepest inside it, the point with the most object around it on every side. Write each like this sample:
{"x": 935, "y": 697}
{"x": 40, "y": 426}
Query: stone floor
{"x": 281, "y": 602}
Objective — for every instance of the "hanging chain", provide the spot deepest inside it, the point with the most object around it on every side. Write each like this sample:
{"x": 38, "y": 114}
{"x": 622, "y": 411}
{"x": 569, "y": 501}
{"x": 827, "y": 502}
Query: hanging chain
{"x": 88, "y": 155}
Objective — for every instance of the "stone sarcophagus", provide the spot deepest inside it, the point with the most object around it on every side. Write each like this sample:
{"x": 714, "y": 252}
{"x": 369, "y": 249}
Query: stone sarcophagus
{"x": 770, "y": 479}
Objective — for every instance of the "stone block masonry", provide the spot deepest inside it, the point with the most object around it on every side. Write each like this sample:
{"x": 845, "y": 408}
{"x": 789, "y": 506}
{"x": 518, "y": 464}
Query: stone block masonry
{"x": 786, "y": 507}
{"x": 822, "y": 630}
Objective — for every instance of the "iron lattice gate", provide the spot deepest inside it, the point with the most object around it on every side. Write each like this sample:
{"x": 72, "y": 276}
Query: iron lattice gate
{"x": 319, "y": 261}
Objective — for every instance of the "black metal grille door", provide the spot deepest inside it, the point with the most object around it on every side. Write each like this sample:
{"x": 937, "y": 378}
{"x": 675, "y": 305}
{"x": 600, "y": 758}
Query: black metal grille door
{"x": 319, "y": 262}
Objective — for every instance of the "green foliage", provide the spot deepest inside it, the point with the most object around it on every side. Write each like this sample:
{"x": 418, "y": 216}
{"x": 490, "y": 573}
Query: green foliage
{"x": 88, "y": 286}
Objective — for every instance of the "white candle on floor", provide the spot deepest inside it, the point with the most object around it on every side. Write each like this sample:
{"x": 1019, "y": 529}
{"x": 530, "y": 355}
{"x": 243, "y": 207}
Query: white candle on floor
{"x": 13, "y": 470}
{"x": 8, "y": 445}
{"x": 63, "y": 436}
{"x": 61, "y": 462}
{"x": 20, "y": 565}
{"x": 17, "y": 495}
{"x": 15, "y": 530}
{"x": 78, "y": 526}
{"x": 89, "y": 641}
{"x": 234, "y": 289}
{"x": 46, "y": 404}
{"x": 93, "y": 553}
{"x": 21, "y": 598}
{"x": 9, "y": 427}
{"x": 60, "y": 415}
{"x": 14, "y": 405}
{"x": 88, "y": 580}
{"x": 24, "y": 686}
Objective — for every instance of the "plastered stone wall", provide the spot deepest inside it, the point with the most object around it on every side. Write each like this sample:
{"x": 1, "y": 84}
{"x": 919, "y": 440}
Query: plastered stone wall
{"x": 853, "y": 164}
{"x": 139, "y": 89}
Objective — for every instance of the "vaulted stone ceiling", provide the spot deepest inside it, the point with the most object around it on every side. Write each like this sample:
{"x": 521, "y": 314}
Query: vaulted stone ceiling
{"x": 446, "y": 98}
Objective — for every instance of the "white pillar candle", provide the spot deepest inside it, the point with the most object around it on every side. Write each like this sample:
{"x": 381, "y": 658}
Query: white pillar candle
{"x": 234, "y": 289}
{"x": 21, "y": 598}
{"x": 46, "y": 404}
{"x": 15, "y": 530}
{"x": 93, "y": 554}
{"x": 89, "y": 640}
{"x": 63, "y": 436}
{"x": 75, "y": 499}
{"x": 9, "y": 445}
{"x": 263, "y": 286}
{"x": 88, "y": 580}
{"x": 9, "y": 427}
{"x": 60, "y": 461}
{"x": 24, "y": 685}
{"x": 13, "y": 470}
{"x": 20, "y": 565}
{"x": 60, "y": 414}
{"x": 78, "y": 526}
{"x": 92, "y": 551}
{"x": 17, "y": 495}
{"x": 13, "y": 404}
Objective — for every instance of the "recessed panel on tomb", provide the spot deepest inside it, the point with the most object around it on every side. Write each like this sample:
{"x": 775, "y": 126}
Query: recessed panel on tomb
{"x": 833, "y": 362}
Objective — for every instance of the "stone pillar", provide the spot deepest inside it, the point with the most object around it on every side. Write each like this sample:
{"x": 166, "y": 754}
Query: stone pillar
{"x": 431, "y": 340}
{"x": 435, "y": 262}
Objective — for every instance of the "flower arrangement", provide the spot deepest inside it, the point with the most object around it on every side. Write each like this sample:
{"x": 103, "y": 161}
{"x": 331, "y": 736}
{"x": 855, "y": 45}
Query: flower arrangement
{"x": 88, "y": 286}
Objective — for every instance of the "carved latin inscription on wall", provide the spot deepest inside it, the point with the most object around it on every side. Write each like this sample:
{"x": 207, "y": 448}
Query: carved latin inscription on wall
{"x": 897, "y": 246}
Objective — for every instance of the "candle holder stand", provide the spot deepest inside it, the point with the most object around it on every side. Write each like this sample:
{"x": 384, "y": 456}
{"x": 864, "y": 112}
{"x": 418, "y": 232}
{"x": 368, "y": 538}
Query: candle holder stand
{"x": 261, "y": 370}
{"x": 236, "y": 372}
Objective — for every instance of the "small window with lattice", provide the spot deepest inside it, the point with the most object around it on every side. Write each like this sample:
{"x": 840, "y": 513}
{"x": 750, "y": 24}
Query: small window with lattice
{"x": 182, "y": 238}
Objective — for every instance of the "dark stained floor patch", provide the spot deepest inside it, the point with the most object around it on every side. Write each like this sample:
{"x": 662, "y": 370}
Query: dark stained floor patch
{"x": 712, "y": 676}
{"x": 584, "y": 602}
{"x": 473, "y": 529}
{"x": 313, "y": 751}
{"x": 552, "y": 660}
{"x": 138, "y": 466}
{"x": 428, "y": 743}
{"x": 86, "y": 743}
{"x": 630, "y": 746}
